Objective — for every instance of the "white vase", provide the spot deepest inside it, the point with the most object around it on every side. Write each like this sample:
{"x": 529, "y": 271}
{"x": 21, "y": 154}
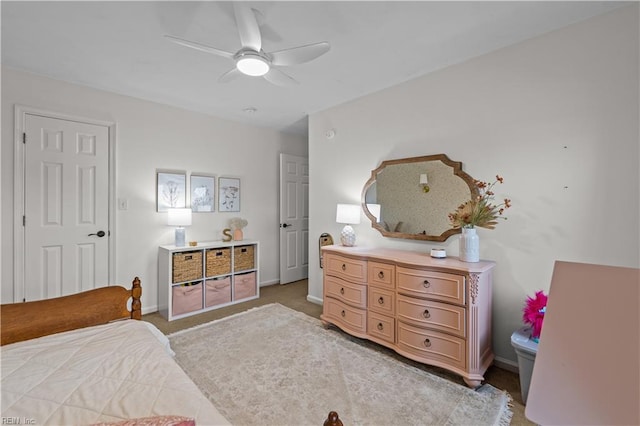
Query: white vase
{"x": 469, "y": 245}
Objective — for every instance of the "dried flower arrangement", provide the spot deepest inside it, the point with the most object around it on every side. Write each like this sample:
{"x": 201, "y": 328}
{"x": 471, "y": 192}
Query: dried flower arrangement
{"x": 533, "y": 313}
{"x": 480, "y": 211}
{"x": 237, "y": 223}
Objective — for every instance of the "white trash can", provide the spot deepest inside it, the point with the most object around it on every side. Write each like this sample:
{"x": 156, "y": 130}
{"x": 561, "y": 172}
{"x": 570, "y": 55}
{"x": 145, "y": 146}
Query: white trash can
{"x": 526, "y": 350}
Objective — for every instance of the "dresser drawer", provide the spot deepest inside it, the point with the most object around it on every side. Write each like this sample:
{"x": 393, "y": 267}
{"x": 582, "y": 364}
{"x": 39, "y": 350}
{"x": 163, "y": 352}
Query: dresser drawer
{"x": 432, "y": 345}
{"x": 345, "y": 268}
{"x": 350, "y": 293}
{"x": 381, "y": 326}
{"x": 431, "y": 284}
{"x": 435, "y": 315}
{"x": 345, "y": 316}
{"x": 382, "y": 301}
{"x": 382, "y": 274}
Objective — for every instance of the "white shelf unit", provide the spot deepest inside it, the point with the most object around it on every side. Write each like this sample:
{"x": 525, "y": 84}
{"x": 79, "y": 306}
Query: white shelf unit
{"x": 194, "y": 279}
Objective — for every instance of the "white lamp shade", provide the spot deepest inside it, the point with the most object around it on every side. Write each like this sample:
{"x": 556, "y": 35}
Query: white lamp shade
{"x": 179, "y": 217}
{"x": 348, "y": 213}
{"x": 374, "y": 209}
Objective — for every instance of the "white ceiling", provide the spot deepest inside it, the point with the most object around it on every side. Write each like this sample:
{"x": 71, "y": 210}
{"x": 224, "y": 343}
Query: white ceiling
{"x": 119, "y": 46}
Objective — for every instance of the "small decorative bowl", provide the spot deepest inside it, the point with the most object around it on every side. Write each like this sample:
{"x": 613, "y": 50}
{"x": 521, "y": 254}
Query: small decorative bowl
{"x": 438, "y": 253}
{"x": 193, "y": 243}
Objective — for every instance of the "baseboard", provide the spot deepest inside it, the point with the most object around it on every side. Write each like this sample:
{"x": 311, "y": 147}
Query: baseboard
{"x": 506, "y": 364}
{"x": 313, "y": 299}
{"x": 149, "y": 309}
{"x": 268, "y": 283}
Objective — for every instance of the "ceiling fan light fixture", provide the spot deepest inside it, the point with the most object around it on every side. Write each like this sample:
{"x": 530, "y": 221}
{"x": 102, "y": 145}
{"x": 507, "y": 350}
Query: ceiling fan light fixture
{"x": 251, "y": 60}
{"x": 252, "y": 65}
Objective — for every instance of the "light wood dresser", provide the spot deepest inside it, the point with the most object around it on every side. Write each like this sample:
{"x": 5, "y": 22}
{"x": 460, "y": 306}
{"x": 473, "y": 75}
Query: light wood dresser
{"x": 434, "y": 311}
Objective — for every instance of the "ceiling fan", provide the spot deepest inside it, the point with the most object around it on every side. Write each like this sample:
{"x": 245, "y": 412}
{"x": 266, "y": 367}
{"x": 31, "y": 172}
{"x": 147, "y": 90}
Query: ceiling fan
{"x": 251, "y": 59}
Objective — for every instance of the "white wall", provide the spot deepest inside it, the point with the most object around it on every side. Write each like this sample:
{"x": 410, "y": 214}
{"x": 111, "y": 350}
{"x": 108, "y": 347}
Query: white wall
{"x": 557, "y": 116}
{"x": 151, "y": 136}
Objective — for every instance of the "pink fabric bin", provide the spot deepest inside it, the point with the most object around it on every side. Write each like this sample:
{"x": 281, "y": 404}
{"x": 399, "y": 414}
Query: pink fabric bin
{"x": 217, "y": 291}
{"x": 244, "y": 285}
{"x": 186, "y": 299}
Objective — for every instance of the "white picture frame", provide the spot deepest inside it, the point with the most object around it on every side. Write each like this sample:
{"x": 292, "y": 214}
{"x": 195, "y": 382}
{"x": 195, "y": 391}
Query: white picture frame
{"x": 228, "y": 194}
{"x": 171, "y": 190}
{"x": 203, "y": 193}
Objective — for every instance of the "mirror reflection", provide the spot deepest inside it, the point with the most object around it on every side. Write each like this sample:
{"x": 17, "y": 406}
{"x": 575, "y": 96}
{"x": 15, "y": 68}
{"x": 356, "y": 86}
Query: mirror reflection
{"x": 412, "y": 197}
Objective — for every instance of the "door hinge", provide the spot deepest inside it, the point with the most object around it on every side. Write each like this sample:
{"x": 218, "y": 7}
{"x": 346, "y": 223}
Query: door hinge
{"x": 24, "y": 137}
{"x": 24, "y": 299}
{"x": 24, "y": 221}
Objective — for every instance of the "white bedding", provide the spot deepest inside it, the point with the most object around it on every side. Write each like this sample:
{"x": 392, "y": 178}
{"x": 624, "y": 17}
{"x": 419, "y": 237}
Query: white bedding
{"x": 105, "y": 373}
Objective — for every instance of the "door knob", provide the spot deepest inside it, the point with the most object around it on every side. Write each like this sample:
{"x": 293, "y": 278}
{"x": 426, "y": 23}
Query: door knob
{"x": 99, "y": 234}
{"x": 284, "y": 225}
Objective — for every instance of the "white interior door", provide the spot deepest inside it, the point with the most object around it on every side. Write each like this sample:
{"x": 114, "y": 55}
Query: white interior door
{"x": 294, "y": 218}
{"x": 66, "y": 207}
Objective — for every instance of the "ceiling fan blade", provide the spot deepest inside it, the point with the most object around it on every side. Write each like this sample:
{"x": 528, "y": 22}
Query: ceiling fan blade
{"x": 277, "y": 77}
{"x": 247, "y": 26}
{"x": 199, "y": 46}
{"x": 230, "y": 75}
{"x": 299, "y": 55}
{"x": 267, "y": 32}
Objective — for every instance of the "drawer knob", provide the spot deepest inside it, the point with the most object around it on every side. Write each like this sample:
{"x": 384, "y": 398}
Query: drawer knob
{"x": 343, "y": 313}
{"x": 344, "y": 267}
{"x": 380, "y": 326}
{"x": 342, "y": 291}
{"x": 427, "y": 343}
{"x": 426, "y": 284}
{"x": 381, "y": 300}
{"x": 381, "y": 274}
{"x": 426, "y": 314}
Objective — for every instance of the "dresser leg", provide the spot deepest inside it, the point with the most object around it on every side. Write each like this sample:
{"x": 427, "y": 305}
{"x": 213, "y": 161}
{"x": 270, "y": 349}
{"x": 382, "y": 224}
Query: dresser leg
{"x": 473, "y": 384}
{"x": 325, "y": 324}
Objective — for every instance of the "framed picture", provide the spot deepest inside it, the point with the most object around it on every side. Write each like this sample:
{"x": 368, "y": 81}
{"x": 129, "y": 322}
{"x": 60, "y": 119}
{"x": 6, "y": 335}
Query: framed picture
{"x": 228, "y": 194}
{"x": 203, "y": 193}
{"x": 171, "y": 189}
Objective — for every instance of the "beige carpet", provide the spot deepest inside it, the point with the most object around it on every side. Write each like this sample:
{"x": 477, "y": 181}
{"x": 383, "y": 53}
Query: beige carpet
{"x": 275, "y": 366}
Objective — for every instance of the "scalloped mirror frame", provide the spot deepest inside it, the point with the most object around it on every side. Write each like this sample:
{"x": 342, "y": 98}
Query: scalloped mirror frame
{"x": 457, "y": 171}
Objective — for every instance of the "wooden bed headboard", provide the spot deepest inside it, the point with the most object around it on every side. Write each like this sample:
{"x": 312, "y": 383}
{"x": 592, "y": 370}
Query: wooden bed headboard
{"x": 24, "y": 321}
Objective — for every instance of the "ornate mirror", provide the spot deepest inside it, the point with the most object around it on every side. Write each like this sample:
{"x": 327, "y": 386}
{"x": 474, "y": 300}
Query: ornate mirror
{"x": 412, "y": 197}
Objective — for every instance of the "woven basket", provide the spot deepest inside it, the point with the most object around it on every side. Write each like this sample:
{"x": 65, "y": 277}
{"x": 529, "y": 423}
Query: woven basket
{"x": 243, "y": 258}
{"x": 218, "y": 262}
{"x": 187, "y": 266}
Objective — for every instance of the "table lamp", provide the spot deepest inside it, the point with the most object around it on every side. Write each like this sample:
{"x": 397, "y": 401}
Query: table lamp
{"x": 349, "y": 214}
{"x": 179, "y": 218}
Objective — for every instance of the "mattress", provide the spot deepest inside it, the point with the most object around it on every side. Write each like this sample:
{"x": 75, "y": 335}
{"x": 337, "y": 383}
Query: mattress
{"x": 107, "y": 373}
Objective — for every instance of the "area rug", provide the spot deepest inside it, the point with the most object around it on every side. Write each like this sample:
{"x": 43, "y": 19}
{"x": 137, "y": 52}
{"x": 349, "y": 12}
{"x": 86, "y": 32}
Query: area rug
{"x": 275, "y": 366}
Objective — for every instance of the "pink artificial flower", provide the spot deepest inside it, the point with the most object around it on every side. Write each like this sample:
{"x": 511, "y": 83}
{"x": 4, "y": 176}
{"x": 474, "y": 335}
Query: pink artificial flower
{"x": 533, "y": 312}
